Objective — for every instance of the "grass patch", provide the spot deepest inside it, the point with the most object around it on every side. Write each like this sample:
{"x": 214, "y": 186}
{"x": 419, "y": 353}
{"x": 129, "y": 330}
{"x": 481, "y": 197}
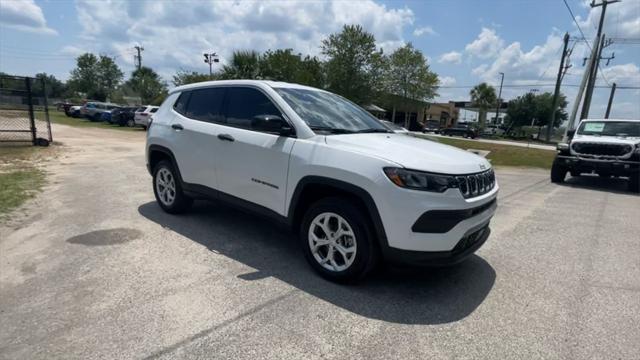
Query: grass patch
{"x": 59, "y": 117}
{"x": 20, "y": 179}
{"x": 18, "y": 186}
{"x": 503, "y": 155}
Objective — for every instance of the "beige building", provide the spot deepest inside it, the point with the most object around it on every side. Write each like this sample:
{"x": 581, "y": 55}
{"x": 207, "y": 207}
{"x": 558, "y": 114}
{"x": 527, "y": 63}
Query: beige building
{"x": 445, "y": 113}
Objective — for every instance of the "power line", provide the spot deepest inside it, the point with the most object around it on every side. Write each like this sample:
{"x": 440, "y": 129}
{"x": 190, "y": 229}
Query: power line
{"x": 576, "y": 22}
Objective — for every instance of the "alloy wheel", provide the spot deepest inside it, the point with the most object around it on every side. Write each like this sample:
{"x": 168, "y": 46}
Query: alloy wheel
{"x": 332, "y": 242}
{"x": 166, "y": 186}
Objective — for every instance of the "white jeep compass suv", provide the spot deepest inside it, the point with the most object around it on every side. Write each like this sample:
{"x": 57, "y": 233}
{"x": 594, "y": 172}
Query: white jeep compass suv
{"x": 355, "y": 191}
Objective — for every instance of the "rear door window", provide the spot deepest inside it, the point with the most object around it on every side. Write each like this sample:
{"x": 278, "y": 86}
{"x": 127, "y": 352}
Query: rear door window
{"x": 206, "y": 105}
{"x": 245, "y": 103}
{"x": 154, "y": 110}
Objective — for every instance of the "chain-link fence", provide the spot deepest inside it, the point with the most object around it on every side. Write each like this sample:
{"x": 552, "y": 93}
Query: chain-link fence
{"x": 24, "y": 113}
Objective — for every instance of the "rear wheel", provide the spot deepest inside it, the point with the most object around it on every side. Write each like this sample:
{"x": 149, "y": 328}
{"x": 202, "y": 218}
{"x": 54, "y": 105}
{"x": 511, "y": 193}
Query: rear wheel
{"x": 337, "y": 241}
{"x": 168, "y": 190}
{"x": 558, "y": 173}
{"x": 131, "y": 123}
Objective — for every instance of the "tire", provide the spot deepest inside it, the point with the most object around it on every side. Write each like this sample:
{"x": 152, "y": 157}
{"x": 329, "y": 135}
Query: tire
{"x": 131, "y": 123}
{"x": 558, "y": 173}
{"x": 337, "y": 213}
{"x": 144, "y": 127}
{"x": 164, "y": 172}
{"x": 634, "y": 183}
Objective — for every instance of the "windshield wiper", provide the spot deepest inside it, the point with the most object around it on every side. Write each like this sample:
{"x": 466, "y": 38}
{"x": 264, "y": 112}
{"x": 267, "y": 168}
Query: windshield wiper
{"x": 331, "y": 130}
{"x": 372, "y": 130}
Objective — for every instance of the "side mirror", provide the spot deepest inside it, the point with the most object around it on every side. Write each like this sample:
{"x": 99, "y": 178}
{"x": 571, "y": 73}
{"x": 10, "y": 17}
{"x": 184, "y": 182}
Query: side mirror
{"x": 570, "y": 133}
{"x": 272, "y": 124}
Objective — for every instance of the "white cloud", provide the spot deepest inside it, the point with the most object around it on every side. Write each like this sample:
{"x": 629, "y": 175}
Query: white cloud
{"x": 622, "y": 75}
{"x": 24, "y": 15}
{"x": 425, "y": 30}
{"x": 622, "y": 19}
{"x": 175, "y": 34}
{"x": 486, "y": 45}
{"x": 452, "y": 57}
{"x": 447, "y": 80}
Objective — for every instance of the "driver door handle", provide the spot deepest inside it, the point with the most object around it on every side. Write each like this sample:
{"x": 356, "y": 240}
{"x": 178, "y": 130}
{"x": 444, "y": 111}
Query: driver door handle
{"x": 226, "y": 137}
{"x": 177, "y": 127}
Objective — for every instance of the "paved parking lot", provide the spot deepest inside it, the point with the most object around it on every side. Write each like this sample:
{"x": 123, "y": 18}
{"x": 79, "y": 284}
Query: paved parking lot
{"x": 95, "y": 270}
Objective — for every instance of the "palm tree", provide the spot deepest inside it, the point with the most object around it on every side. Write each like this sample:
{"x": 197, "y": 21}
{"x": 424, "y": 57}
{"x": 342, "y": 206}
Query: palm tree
{"x": 483, "y": 96}
{"x": 244, "y": 64}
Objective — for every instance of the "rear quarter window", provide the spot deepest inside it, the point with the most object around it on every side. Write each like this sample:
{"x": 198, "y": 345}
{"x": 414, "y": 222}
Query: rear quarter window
{"x": 181, "y": 104}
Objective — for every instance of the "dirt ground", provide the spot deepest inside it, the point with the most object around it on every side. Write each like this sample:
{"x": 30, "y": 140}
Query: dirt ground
{"x": 93, "y": 269}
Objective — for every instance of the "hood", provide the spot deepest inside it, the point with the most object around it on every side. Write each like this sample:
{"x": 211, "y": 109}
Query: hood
{"x": 606, "y": 139}
{"x": 412, "y": 152}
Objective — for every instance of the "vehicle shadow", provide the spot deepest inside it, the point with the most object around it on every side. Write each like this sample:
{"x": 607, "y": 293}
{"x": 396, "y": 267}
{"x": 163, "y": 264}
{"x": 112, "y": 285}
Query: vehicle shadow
{"x": 407, "y": 296}
{"x": 595, "y": 182}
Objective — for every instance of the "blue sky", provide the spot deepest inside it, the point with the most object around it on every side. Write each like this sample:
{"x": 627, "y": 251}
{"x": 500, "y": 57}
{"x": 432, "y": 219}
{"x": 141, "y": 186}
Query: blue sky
{"x": 466, "y": 42}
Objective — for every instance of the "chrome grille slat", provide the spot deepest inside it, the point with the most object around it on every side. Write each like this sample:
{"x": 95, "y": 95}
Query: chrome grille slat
{"x": 473, "y": 185}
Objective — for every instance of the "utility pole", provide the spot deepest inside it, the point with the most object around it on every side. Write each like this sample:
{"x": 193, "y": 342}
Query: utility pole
{"x": 211, "y": 58}
{"x": 138, "y": 57}
{"x": 556, "y": 94}
{"x": 613, "y": 91}
{"x": 595, "y": 60}
{"x": 499, "y": 100}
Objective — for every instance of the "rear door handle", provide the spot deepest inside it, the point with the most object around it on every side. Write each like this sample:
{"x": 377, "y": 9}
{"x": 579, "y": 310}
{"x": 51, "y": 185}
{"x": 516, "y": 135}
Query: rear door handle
{"x": 226, "y": 137}
{"x": 177, "y": 127}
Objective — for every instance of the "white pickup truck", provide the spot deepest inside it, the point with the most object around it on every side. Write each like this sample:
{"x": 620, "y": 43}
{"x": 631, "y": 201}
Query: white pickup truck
{"x": 605, "y": 147}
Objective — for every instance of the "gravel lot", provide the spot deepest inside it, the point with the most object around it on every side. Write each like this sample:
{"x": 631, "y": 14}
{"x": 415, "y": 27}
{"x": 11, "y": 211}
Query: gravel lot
{"x": 95, "y": 270}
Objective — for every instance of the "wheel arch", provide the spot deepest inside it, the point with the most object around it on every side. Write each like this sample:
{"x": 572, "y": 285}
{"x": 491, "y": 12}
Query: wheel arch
{"x": 158, "y": 153}
{"x": 312, "y": 188}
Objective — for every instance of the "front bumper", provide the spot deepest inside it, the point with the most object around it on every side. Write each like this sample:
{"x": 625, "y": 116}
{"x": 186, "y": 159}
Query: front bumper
{"x": 588, "y": 165}
{"x": 469, "y": 244}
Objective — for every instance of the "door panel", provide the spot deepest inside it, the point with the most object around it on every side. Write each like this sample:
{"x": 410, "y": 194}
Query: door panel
{"x": 254, "y": 165}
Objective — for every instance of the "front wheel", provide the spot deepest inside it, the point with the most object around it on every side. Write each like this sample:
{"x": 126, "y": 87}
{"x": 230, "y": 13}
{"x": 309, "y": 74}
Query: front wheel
{"x": 337, "y": 241}
{"x": 558, "y": 173}
{"x": 168, "y": 190}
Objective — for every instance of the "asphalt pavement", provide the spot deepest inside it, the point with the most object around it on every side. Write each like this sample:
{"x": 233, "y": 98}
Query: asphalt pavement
{"x": 93, "y": 269}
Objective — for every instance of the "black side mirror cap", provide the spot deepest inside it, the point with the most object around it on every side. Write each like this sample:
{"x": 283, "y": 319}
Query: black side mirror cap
{"x": 271, "y": 124}
{"x": 570, "y": 133}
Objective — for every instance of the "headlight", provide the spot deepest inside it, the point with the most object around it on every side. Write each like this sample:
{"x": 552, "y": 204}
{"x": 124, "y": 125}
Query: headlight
{"x": 563, "y": 146}
{"x": 419, "y": 180}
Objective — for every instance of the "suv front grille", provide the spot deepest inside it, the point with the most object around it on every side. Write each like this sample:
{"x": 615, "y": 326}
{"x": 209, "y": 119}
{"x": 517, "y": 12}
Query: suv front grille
{"x": 476, "y": 184}
{"x": 598, "y": 149}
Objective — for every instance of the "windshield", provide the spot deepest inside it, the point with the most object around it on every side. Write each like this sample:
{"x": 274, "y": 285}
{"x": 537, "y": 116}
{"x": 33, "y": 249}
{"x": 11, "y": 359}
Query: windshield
{"x": 610, "y": 128}
{"x": 326, "y": 112}
{"x": 393, "y": 126}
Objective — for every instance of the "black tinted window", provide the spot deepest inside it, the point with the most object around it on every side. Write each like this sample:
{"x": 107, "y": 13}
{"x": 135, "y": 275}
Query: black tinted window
{"x": 205, "y": 104}
{"x": 245, "y": 103}
{"x": 154, "y": 110}
{"x": 181, "y": 104}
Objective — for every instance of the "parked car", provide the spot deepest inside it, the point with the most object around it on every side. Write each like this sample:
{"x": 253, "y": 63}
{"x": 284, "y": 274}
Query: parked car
{"x": 123, "y": 116}
{"x": 493, "y": 130}
{"x": 464, "y": 131}
{"x": 75, "y": 111}
{"x": 93, "y": 110}
{"x": 354, "y": 191}
{"x": 431, "y": 126}
{"x": 607, "y": 147}
{"x": 143, "y": 115}
{"x": 395, "y": 127}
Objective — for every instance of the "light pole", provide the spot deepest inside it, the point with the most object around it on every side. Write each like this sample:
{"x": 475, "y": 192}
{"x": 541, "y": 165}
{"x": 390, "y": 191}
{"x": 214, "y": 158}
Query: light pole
{"x": 499, "y": 100}
{"x": 211, "y": 58}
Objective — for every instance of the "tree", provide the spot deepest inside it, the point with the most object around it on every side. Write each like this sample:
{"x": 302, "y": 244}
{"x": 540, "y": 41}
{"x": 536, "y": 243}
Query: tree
{"x": 148, "y": 84}
{"x": 350, "y": 55}
{"x": 534, "y": 109}
{"x": 183, "y": 77}
{"x": 96, "y": 77}
{"x": 244, "y": 64}
{"x": 483, "y": 96}
{"x": 311, "y": 72}
{"x": 55, "y": 88}
{"x": 284, "y": 65}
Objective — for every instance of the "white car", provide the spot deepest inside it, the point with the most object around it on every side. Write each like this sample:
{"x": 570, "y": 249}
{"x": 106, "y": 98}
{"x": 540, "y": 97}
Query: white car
{"x": 142, "y": 116}
{"x": 354, "y": 191}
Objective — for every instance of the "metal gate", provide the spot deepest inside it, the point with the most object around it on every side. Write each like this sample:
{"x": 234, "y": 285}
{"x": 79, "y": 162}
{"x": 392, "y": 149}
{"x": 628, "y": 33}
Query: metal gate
{"x": 24, "y": 113}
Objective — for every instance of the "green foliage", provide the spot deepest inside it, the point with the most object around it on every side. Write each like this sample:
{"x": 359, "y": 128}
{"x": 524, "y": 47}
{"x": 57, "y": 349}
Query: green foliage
{"x": 55, "y": 88}
{"x": 244, "y": 64}
{"x": 484, "y": 97}
{"x": 183, "y": 77}
{"x": 96, "y": 77}
{"x": 350, "y": 59}
{"x": 148, "y": 84}
{"x": 284, "y": 65}
{"x": 530, "y": 107}
{"x": 408, "y": 74}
